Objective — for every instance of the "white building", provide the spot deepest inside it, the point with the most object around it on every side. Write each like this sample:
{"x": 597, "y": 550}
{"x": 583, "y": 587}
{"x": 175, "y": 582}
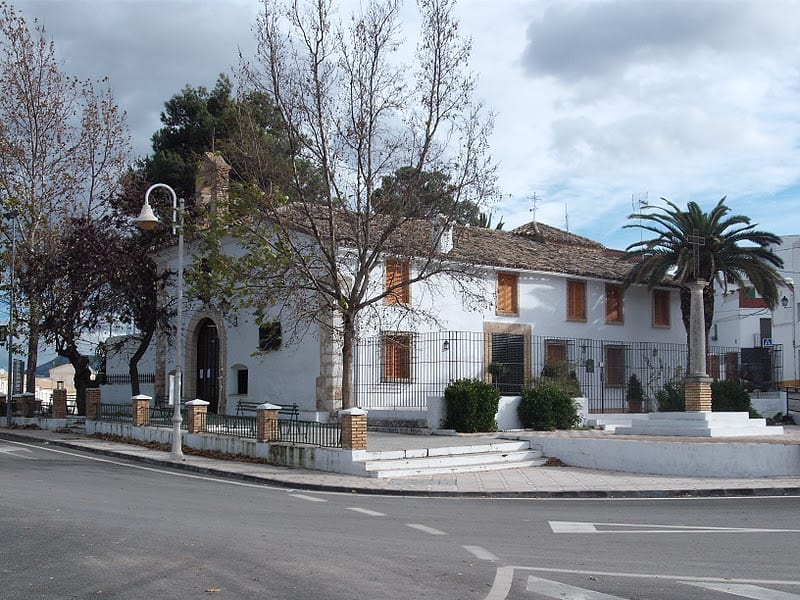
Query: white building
{"x": 549, "y": 298}
{"x": 742, "y": 319}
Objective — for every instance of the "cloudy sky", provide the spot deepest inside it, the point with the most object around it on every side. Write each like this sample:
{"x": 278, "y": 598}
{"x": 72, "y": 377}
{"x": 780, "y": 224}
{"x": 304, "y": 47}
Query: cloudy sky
{"x": 600, "y": 105}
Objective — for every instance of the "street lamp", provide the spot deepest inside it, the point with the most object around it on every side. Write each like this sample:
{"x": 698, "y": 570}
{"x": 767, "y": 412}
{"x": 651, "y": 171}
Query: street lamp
{"x": 147, "y": 221}
{"x": 12, "y": 216}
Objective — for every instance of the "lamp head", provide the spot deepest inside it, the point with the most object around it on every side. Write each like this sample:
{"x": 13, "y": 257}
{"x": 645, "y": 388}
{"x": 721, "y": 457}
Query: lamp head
{"x": 147, "y": 219}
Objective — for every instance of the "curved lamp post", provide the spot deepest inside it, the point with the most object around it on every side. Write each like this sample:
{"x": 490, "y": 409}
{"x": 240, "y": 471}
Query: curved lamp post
{"x": 147, "y": 221}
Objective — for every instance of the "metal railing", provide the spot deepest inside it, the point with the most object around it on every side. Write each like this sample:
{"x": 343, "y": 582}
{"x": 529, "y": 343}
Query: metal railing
{"x": 161, "y": 416}
{"x": 124, "y": 378}
{"x": 601, "y": 368}
{"x": 116, "y": 413}
{"x": 327, "y": 435}
{"x": 239, "y": 426}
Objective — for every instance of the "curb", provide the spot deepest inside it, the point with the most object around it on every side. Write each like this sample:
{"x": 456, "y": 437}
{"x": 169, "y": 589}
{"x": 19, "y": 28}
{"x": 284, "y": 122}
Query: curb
{"x": 350, "y": 489}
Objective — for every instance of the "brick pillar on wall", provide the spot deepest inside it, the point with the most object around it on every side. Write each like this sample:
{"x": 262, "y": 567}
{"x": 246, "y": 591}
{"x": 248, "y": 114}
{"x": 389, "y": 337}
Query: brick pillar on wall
{"x": 27, "y": 402}
{"x": 268, "y": 429}
{"x": 93, "y": 400}
{"x": 141, "y": 410}
{"x": 59, "y": 404}
{"x": 196, "y": 411}
{"x": 354, "y": 429}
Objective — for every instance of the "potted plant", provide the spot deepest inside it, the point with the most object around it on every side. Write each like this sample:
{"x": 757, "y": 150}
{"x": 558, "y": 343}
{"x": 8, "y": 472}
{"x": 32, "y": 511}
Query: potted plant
{"x": 634, "y": 394}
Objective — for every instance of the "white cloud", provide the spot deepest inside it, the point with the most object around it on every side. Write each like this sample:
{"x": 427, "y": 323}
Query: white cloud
{"x": 596, "y": 101}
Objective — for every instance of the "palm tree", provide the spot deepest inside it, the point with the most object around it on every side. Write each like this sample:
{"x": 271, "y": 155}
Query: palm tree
{"x": 730, "y": 250}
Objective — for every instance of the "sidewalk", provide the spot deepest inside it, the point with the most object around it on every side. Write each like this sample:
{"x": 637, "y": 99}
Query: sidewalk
{"x": 531, "y": 482}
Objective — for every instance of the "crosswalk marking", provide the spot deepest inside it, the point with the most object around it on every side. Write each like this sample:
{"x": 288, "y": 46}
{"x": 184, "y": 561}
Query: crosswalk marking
{"x": 366, "y": 511}
{"x": 744, "y": 590}
{"x": 555, "y": 589}
{"x": 425, "y": 529}
{"x": 481, "y": 553}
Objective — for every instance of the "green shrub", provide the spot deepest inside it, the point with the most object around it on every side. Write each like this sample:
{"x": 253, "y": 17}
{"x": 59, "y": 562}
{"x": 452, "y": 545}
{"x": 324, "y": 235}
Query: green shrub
{"x": 726, "y": 396}
{"x": 729, "y": 396}
{"x": 546, "y": 407}
{"x": 563, "y": 375}
{"x": 471, "y": 405}
{"x": 634, "y": 394}
{"x": 671, "y": 398}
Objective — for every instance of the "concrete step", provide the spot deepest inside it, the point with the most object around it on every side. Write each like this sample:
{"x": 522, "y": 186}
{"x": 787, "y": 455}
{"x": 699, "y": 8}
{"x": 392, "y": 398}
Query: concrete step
{"x": 459, "y": 459}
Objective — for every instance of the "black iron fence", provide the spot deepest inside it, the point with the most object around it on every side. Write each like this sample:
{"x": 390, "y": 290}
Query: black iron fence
{"x": 290, "y": 430}
{"x": 404, "y": 370}
{"x": 116, "y": 413}
{"x": 124, "y": 378}
{"x": 244, "y": 427}
{"x": 161, "y": 416}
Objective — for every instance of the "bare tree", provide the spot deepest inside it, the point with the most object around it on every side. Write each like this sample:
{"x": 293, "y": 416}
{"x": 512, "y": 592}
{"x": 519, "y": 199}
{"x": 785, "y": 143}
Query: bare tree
{"x": 63, "y": 145}
{"x": 353, "y": 113}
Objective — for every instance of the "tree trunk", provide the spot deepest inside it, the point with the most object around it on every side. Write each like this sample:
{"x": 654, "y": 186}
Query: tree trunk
{"x": 33, "y": 352}
{"x": 133, "y": 363}
{"x": 348, "y": 344}
{"x": 83, "y": 374}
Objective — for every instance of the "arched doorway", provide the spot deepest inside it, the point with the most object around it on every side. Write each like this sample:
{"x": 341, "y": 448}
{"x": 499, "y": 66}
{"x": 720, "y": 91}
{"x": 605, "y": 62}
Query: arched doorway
{"x": 207, "y": 383}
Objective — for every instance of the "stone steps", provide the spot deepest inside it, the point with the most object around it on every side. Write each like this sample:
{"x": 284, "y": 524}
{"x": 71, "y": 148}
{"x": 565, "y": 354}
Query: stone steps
{"x": 453, "y": 459}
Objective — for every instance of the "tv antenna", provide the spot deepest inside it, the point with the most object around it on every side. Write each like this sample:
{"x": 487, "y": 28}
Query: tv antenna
{"x": 638, "y": 202}
{"x": 534, "y": 205}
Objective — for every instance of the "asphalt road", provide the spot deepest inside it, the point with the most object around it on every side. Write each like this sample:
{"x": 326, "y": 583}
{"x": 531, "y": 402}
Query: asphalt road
{"x": 74, "y": 525}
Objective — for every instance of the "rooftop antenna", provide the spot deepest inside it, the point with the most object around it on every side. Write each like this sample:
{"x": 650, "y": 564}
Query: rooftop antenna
{"x": 534, "y": 205}
{"x": 638, "y": 202}
{"x": 566, "y": 217}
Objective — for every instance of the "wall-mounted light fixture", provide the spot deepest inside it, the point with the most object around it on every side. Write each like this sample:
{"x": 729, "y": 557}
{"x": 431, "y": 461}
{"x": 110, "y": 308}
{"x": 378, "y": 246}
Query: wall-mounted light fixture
{"x": 445, "y": 345}
{"x": 784, "y": 302}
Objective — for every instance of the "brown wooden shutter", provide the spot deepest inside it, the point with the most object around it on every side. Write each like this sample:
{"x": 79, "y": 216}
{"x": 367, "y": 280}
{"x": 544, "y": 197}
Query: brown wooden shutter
{"x": 507, "y": 295}
{"x": 661, "y": 308}
{"x": 397, "y": 357}
{"x": 396, "y": 273}
{"x": 613, "y": 303}
{"x": 576, "y": 300}
{"x": 615, "y": 365}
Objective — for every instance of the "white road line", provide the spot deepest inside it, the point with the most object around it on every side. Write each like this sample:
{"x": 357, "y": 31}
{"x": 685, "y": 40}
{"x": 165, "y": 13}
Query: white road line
{"x": 12, "y": 452}
{"x": 172, "y": 473}
{"x": 572, "y": 527}
{"x": 555, "y": 589}
{"x": 683, "y": 579}
{"x": 425, "y": 529}
{"x": 745, "y": 590}
{"x": 501, "y": 586}
{"x": 481, "y": 553}
{"x": 309, "y": 498}
{"x": 583, "y": 527}
{"x": 366, "y": 511}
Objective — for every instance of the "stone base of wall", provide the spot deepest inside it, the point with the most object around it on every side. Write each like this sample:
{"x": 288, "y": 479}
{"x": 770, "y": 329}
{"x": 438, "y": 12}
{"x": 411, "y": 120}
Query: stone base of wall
{"x": 333, "y": 460}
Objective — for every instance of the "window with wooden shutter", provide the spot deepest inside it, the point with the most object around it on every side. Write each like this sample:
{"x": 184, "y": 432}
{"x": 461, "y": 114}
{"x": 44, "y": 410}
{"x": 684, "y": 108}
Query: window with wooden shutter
{"x": 613, "y": 303}
{"x": 576, "y": 300}
{"x": 396, "y": 349}
{"x": 615, "y": 365}
{"x": 397, "y": 272}
{"x": 661, "y": 316}
{"x": 507, "y": 294}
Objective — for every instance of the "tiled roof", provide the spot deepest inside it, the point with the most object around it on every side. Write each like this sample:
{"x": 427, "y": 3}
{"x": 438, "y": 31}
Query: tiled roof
{"x": 544, "y": 248}
{"x": 533, "y": 246}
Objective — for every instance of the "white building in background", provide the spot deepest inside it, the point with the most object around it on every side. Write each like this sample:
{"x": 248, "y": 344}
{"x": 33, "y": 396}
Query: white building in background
{"x": 743, "y": 320}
